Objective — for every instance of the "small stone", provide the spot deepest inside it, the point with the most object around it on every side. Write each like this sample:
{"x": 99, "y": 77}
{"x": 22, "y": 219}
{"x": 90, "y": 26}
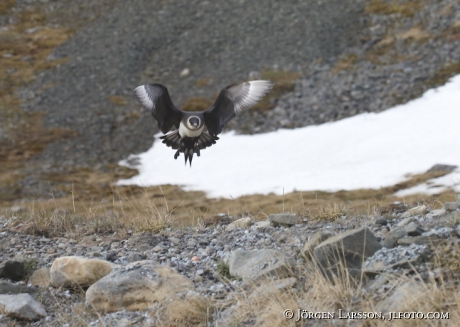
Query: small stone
{"x": 392, "y": 237}
{"x": 195, "y": 259}
{"x": 261, "y": 224}
{"x": 175, "y": 240}
{"x": 420, "y": 210}
{"x": 7, "y": 288}
{"x": 424, "y": 239}
{"x": 134, "y": 257}
{"x": 185, "y": 72}
{"x": 452, "y": 206}
{"x": 157, "y": 248}
{"x": 413, "y": 229}
{"x": 240, "y": 223}
{"x": 40, "y": 278}
{"x": 441, "y": 168}
{"x": 438, "y": 212}
{"x": 115, "y": 245}
{"x": 191, "y": 243}
{"x": 284, "y": 219}
{"x": 254, "y": 264}
{"x": 382, "y": 221}
{"x": 406, "y": 221}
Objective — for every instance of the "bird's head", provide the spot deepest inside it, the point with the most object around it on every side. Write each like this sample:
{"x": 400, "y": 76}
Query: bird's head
{"x": 194, "y": 122}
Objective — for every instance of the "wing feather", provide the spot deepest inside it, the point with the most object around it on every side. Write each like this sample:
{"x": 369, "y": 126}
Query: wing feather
{"x": 232, "y": 100}
{"x": 155, "y": 97}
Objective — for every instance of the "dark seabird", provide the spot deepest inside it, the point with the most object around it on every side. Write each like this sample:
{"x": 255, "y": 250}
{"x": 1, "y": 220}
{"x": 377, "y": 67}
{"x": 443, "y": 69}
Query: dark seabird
{"x": 196, "y": 131}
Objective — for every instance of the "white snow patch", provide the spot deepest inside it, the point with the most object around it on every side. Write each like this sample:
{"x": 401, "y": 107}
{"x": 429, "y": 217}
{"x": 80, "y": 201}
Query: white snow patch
{"x": 365, "y": 151}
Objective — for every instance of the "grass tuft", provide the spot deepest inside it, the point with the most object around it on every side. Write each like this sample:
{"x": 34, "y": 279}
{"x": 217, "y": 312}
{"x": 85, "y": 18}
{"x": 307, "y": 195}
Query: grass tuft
{"x": 403, "y": 8}
{"x": 197, "y": 104}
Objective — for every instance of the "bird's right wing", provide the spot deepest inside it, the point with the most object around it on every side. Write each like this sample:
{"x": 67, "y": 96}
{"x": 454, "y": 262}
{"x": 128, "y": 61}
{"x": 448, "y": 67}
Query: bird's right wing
{"x": 155, "y": 97}
{"x": 232, "y": 100}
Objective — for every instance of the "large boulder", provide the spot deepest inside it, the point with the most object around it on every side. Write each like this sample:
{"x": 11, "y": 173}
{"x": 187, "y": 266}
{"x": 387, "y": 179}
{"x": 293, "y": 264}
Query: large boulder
{"x": 78, "y": 271}
{"x": 22, "y": 306}
{"x": 136, "y": 287}
{"x": 347, "y": 250}
{"x": 254, "y": 264}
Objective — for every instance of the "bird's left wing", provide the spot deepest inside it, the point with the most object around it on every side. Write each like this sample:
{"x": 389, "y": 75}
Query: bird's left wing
{"x": 232, "y": 100}
{"x": 155, "y": 97}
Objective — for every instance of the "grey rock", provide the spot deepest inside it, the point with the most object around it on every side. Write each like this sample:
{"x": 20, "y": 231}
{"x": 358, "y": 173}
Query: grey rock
{"x": 438, "y": 212}
{"x": 260, "y": 263}
{"x": 133, "y": 257}
{"x": 261, "y": 224}
{"x": 136, "y": 287}
{"x": 406, "y": 221}
{"x": 392, "y": 237}
{"x": 346, "y": 250}
{"x": 419, "y": 210}
{"x": 284, "y": 219}
{"x": 382, "y": 221}
{"x": 314, "y": 241}
{"x": 399, "y": 257}
{"x": 40, "y": 278}
{"x": 441, "y": 168}
{"x": 12, "y": 269}
{"x": 175, "y": 240}
{"x": 413, "y": 229}
{"x": 8, "y": 288}
{"x": 424, "y": 239}
{"x": 401, "y": 297}
{"x": 22, "y": 306}
{"x": 452, "y": 206}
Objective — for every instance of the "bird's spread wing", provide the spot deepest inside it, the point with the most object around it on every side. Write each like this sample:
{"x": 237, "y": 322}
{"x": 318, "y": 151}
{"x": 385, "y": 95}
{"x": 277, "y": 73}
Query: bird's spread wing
{"x": 155, "y": 97}
{"x": 232, "y": 100}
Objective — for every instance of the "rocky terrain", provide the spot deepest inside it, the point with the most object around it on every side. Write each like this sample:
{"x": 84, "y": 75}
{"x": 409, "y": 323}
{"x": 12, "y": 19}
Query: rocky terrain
{"x": 329, "y": 60}
{"x": 67, "y": 116}
{"x": 217, "y": 275}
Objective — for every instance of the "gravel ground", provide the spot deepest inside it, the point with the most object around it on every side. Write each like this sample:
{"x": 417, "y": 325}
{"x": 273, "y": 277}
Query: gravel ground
{"x": 175, "y": 248}
{"x": 223, "y": 41}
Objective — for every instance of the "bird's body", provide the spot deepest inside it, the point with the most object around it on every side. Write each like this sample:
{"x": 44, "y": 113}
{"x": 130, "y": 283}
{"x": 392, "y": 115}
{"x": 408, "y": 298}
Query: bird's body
{"x": 196, "y": 131}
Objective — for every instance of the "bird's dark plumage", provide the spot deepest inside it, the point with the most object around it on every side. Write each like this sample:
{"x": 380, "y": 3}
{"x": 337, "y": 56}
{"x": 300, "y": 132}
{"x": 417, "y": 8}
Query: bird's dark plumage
{"x": 196, "y": 131}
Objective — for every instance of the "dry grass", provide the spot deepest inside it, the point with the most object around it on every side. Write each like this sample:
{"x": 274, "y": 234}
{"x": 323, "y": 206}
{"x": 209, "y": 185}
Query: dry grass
{"x": 197, "y": 104}
{"x": 284, "y": 83}
{"x": 316, "y": 293}
{"x": 187, "y": 312}
{"x": 6, "y": 5}
{"x": 401, "y": 7}
{"x": 442, "y": 76}
{"x": 345, "y": 63}
{"x": 203, "y": 82}
{"x": 95, "y": 206}
{"x": 117, "y": 100}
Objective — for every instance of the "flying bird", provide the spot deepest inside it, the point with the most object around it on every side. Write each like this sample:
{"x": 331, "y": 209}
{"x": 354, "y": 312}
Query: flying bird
{"x": 196, "y": 131}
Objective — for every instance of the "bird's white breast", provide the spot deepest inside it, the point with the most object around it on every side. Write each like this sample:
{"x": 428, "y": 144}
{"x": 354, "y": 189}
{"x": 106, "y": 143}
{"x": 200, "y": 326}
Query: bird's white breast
{"x": 185, "y": 132}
